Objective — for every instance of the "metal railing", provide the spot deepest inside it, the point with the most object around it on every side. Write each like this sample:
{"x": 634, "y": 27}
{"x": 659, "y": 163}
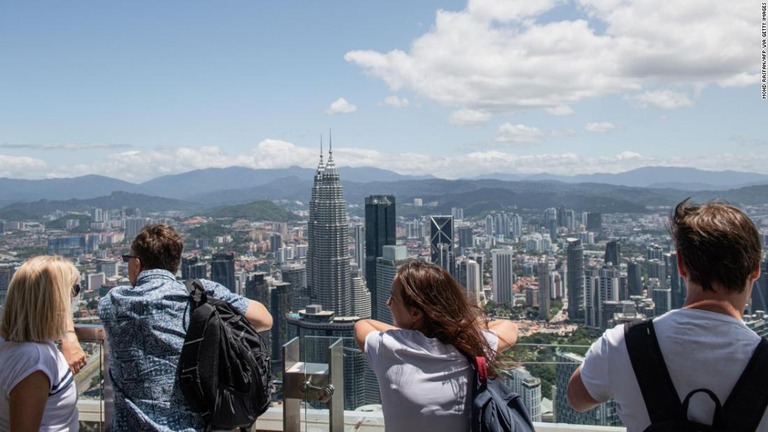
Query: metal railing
{"x": 313, "y": 387}
{"x": 94, "y": 388}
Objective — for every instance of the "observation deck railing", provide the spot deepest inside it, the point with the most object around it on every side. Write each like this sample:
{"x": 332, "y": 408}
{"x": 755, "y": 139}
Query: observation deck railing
{"x": 303, "y": 402}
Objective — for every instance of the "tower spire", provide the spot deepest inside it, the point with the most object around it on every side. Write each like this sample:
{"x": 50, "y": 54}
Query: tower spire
{"x": 320, "y": 166}
{"x": 330, "y": 145}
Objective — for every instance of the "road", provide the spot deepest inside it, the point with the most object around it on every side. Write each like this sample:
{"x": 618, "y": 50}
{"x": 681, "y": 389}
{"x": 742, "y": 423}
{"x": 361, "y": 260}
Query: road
{"x": 86, "y": 374}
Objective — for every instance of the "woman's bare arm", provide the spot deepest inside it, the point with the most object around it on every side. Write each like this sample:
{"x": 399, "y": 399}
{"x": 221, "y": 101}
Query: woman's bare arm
{"x": 26, "y": 402}
{"x": 366, "y": 326}
{"x": 506, "y": 331}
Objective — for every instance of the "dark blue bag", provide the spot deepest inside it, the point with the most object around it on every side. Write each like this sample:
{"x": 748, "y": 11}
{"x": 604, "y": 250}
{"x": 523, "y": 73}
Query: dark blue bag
{"x": 495, "y": 407}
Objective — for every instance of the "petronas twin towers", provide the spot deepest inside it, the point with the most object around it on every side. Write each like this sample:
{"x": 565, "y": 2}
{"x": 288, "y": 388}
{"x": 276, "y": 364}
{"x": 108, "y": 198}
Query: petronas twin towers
{"x": 328, "y": 261}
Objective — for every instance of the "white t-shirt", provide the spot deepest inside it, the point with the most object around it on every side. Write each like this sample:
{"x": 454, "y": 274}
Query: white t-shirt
{"x": 18, "y": 360}
{"x": 701, "y": 349}
{"x": 422, "y": 381}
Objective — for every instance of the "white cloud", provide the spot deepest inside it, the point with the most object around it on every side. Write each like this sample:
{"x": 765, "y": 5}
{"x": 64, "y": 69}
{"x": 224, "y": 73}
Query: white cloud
{"x": 740, "y": 80}
{"x": 341, "y": 106}
{"x": 21, "y": 167}
{"x": 396, "y": 102}
{"x": 560, "y": 110}
{"x": 138, "y": 166}
{"x": 601, "y": 127}
{"x": 498, "y": 57}
{"x": 664, "y": 99}
{"x": 518, "y": 133}
{"x": 469, "y": 117}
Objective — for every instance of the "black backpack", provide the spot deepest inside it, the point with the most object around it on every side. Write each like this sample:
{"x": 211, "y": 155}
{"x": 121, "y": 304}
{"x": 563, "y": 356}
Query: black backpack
{"x": 224, "y": 369}
{"x": 742, "y": 411}
{"x": 495, "y": 407}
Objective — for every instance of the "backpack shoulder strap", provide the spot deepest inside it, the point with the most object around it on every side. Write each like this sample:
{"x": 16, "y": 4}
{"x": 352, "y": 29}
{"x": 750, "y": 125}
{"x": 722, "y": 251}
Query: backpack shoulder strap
{"x": 748, "y": 400}
{"x": 196, "y": 291}
{"x": 659, "y": 393}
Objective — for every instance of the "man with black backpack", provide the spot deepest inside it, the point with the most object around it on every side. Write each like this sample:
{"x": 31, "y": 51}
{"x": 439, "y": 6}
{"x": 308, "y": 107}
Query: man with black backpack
{"x": 146, "y": 324}
{"x": 699, "y": 367}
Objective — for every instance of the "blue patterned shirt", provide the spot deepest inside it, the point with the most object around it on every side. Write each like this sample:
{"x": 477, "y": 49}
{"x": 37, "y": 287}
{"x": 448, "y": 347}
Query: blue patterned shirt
{"x": 145, "y": 327}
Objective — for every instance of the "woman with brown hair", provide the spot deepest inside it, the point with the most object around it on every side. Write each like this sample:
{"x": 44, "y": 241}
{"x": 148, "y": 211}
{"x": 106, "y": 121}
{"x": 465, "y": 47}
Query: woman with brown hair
{"x": 421, "y": 363}
{"x": 37, "y": 389}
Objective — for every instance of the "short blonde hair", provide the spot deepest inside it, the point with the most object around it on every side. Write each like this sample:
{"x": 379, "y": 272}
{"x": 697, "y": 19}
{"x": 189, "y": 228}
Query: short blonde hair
{"x": 38, "y": 299}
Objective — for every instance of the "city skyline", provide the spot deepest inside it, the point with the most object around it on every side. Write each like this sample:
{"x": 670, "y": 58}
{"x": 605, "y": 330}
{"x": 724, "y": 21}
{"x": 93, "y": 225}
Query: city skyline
{"x": 448, "y": 88}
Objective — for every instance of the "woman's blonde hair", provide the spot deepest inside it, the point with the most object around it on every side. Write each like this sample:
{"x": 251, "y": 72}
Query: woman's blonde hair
{"x": 38, "y": 299}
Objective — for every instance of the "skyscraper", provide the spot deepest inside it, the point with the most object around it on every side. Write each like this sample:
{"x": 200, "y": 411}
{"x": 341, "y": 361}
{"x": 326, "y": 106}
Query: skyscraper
{"x": 380, "y": 231}
{"x": 612, "y": 252}
{"x": 604, "y": 414}
{"x": 575, "y": 280}
{"x": 391, "y": 259}
{"x": 280, "y": 299}
{"x": 192, "y": 267}
{"x": 359, "y": 235}
{"x": 466, "y": 239}
{"x": 634, "y": 278}
{"x": 223, "y": 269}
{"x": 328, "y": 272}
{"x": 441, "y": 242}
{"x": 6, "y": 273}
{"x": 502, "y": 261}
{"x": 545, "y": 289}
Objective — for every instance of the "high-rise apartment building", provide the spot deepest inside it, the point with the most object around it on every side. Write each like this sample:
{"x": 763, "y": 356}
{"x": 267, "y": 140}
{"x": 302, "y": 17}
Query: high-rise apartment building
{"x": 133, "y": 225}
{"x": 662, "y": 300}
{"x": 575, "y": 279}
{"x": 490, "y": 226}
{"x": 469, "y": 276}
{"x": 67, "y": 246}
{"x": 192, "y": 267}
{"x": 528, "y": 387}
{"x": 441, "y": 242}
{"x": 280, "y": 302}
{"x": 275, "y": 242}
{"x": 634, "y": 278}
{"x": 223, "y": 269}
{"x": 604, "y": 414}
{"x": 612, "y": 252}
{"x": 502, "y": 263}
{"x": 545, "y": 288}
{"x": 328, "y": 269}
{"x": 466, "y": 239}
{"x": 380, "y": 231}
{"x": 296, "y": 275}
{"x": 386, "y": 270}
{"x": 358, "y": 232}
{"x": 676, "y": 283}
{"x": 457, "y": 213}
{"x": 6, "y": 273}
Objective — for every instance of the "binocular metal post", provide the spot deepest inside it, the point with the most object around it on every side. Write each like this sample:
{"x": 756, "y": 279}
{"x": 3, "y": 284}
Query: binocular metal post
{"x": 323, "y": 382}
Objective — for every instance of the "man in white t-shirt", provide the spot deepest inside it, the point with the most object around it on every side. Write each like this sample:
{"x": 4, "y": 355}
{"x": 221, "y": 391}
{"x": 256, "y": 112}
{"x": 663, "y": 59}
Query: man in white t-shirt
{"x": 705, "y": 344}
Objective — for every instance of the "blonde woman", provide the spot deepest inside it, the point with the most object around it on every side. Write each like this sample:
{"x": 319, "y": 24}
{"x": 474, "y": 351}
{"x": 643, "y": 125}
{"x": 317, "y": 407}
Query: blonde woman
{"x": 37, "y": 389}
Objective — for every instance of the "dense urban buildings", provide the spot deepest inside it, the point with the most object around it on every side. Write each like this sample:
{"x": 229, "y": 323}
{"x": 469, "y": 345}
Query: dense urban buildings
{"x": 545, "y": 268}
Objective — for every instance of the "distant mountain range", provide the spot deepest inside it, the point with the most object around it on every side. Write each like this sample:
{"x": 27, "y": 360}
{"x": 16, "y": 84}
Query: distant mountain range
{"x": 656, "y": 177}
{"x": 204, "y": 191}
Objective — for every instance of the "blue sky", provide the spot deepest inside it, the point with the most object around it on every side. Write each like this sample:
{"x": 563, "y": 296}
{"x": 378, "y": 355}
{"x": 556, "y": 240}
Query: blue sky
{"x": 136, "y": 90}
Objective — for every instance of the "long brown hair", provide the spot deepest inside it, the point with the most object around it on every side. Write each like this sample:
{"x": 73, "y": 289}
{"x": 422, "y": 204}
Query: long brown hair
{"x": 448, "y": 316}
